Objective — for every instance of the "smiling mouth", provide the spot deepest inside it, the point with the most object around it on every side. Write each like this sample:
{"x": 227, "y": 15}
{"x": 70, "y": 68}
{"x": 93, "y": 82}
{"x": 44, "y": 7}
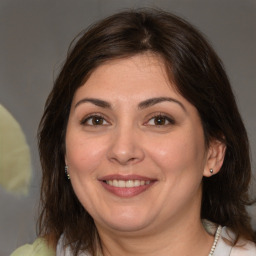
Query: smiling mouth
{"x": 126, "y": 186}
{"x": 127, "y": 183}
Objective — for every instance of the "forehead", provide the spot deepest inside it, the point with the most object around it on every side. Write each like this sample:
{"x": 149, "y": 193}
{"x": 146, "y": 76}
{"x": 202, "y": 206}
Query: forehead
{"x": 128, "y": 76}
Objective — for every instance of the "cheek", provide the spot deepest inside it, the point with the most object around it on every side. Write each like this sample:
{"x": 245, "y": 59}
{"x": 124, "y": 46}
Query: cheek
{"x": 83, "y": 155}
{"x": 182, "y": 152}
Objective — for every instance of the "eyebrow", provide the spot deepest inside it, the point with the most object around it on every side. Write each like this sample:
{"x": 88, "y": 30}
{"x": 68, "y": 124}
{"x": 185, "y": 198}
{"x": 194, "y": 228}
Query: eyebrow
{"x": 97, "y": 102}
{"x": 142, "y": 105}
{"x": 154, "y": 101}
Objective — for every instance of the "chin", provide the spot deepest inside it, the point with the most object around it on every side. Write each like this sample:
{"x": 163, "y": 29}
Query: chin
{"x": 126, "y": 223}
{"x": 127, "y": 226}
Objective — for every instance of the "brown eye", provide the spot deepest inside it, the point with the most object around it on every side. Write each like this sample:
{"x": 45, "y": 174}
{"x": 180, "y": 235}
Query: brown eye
{"x": 160, "y": 120}
{"x": 94, "y": 121}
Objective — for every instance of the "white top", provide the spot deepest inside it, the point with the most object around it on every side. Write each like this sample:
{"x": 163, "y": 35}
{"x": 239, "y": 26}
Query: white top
{"x": 224, "y": 245}
{"x": 242, "y": 248}
{"x": 223, "y": 248}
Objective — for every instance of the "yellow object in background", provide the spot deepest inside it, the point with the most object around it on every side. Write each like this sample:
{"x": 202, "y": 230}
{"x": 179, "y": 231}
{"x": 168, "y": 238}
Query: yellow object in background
{"x": 15, "y": 160}
{"x": 38, "y": 248}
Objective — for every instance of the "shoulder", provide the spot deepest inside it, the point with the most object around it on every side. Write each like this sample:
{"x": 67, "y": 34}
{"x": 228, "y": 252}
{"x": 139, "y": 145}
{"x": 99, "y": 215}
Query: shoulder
{"x": 224, "y": 246}
{"x": 63, "y": 249}
{"x": 242, "y": 247}
{"x": 38, "y": 248}
{"x": 245, "y": 248}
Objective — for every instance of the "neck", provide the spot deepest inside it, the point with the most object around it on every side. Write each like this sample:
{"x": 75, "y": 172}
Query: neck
{"x": 190, "y": 238}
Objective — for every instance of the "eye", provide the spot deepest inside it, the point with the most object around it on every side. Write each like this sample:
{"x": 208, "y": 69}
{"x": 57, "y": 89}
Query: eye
{"x": 94, "y": 120}
{"x": 160, "y": 120}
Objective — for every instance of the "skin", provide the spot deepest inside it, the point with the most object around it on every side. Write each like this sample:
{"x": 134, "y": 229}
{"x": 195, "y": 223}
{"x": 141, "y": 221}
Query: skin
{"x": 124, "y": 139}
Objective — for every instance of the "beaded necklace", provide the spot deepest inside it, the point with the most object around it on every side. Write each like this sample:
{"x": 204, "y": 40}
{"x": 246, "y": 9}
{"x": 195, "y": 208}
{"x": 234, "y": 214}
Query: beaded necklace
{"x": 216, "y": 238}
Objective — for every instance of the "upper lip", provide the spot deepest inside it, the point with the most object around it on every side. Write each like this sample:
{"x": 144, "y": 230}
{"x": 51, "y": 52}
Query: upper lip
{"x": 125, "y": 177}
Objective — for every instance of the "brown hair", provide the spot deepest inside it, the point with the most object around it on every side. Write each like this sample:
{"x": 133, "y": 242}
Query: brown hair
{"x": 199, "y": 76}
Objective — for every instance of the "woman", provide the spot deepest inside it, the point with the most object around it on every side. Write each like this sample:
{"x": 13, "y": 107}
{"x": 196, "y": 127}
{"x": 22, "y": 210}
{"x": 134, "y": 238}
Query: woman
{"x": 143, "y": 122}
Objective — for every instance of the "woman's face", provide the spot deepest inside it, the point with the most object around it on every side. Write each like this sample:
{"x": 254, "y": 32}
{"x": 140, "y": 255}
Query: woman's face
{"x": 135, "y": 147}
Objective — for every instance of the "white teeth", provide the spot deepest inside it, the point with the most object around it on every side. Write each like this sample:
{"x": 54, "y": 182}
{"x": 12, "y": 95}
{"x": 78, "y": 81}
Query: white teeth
{"x": 114, "y": 183}
{"x": 136, "y": 183}
{"x": 121, "y": 184}
{"x": 127, "y": 183}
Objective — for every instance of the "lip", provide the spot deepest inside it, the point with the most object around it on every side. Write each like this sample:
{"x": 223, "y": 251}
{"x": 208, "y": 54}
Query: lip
{"x": 126, "y": 192}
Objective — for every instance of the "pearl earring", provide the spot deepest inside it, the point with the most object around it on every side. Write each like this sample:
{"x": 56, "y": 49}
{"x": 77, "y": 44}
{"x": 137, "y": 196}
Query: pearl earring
{"x": 66, "y": 171}
{"x": 211, "y": 171}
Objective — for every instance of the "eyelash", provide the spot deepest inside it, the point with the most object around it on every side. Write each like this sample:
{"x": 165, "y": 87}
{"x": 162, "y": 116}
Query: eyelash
{"x": 103, "y": 122}
{"x": 85, "y": 120}
{"x": 161, "y": 116}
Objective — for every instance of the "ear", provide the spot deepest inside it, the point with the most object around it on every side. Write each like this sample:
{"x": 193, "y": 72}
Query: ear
{"x": 215, "y": 157}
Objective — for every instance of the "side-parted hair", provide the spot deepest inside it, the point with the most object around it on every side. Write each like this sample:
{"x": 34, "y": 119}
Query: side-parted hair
{"x": 198, "y": 73}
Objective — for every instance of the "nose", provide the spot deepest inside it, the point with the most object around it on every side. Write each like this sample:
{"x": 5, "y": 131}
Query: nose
{"x": 125, "y": 147}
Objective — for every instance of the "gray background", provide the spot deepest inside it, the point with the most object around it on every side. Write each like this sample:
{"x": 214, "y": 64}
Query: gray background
{"x": 34, "y": 37}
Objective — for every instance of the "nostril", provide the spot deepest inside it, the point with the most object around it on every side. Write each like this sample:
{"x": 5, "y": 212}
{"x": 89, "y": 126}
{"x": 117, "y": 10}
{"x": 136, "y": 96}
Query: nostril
{"x": 125, "y": 150}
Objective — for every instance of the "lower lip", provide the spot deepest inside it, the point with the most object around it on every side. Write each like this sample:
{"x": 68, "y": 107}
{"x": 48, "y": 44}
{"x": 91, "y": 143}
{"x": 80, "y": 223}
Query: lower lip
{"x": 126, "y": 192}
